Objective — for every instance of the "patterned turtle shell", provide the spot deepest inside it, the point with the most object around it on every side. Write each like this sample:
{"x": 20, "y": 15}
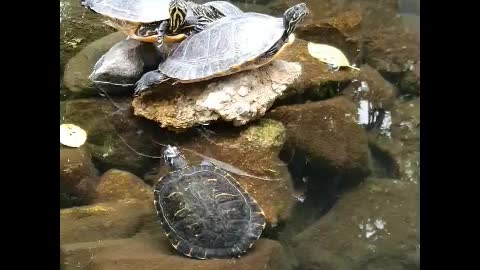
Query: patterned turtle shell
{"x": 206, "y": 214}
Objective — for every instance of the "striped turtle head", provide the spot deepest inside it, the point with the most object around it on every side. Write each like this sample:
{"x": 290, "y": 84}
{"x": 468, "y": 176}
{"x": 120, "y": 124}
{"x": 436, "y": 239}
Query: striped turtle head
{"x": 178, "y": 11}
{"x": 173, "y": 157}
{"x": 293, "y": 16}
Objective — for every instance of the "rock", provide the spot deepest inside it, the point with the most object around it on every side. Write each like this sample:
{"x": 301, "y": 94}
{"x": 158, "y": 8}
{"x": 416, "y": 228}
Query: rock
{"x": 315, "y": 74}
{"x": 242, "y": 97}
{"x": 120, "y": 185}
{"x": 78, "y": 27}
{"x": 335, "y": 31}
{"x": 372, "y": 87}
{"x": 104, "y": 123}
{"x": 154, "y": 252}
{"x": 104, "y": 220}
{"x": 123, "y": 65}
{"x": 253, "y": 149}
{"x": 239, "y": 98}
{"x": 406, "y": 130}
{"x": 377, "y": 223}
{"x": 328, "y": 134}
{"x": 79, "y": 67}
{"x": 391, "y": 50}
{"x": 410, "y": 81}
{"x": 406, "y": 120}
{"x": 78, "y": 177}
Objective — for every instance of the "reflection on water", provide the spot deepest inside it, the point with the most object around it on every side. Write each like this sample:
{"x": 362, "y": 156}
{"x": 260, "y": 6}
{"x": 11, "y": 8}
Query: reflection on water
{"x": 344, "y": 144}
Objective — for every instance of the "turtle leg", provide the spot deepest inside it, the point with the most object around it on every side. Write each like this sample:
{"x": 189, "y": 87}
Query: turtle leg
{"x": 149, "y": 80}
{"x": 206, "y": 163}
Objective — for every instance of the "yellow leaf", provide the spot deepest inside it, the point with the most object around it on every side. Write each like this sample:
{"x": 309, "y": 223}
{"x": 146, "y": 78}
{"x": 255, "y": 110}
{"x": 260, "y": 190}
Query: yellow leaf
{"x": 72, "y": 135}
{"x": 329, "y": 55}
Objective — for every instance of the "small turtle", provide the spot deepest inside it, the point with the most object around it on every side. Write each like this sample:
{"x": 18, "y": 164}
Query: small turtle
{"x": 228, "y": 45}
{"x": 155, "y": 21}
{"x": 204, "y": 211}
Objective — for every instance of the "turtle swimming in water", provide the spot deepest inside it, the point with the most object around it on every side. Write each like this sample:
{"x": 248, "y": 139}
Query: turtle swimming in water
{"x": 204, "y": 211}
{"x": 226, "y": 46}
{"x": 155, "y": 21}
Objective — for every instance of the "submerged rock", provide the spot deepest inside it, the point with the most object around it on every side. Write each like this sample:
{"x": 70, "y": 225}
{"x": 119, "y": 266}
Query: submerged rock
{"x": 328, "y": 133}
{"x": 401, "y": 147}
{"x": 78, "y": 177}
{"x": 155, "y": 252}
{"x": 118, "y": 185}
{"x": 79, "y": 67}
{"x": 123, "y": 65}
{"x": 371, "y": 86}
{"x": 101, "y": 221}
{"x": 104, "y": 124}
{"x": 376, "y": 223}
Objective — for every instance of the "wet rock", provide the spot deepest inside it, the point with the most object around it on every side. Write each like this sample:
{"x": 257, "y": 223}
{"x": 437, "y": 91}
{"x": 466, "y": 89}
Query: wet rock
{"x": 154, "y": 252}
{"x": 371, "y": 86}
{"x": 62, "y": 260}
{"x": 104, "y": 124}
{"x": 242, "y": 97}
{"x": 406, "y": 120}
{"x": 239, "y": 98}
{"x": 315, "y": 74}
{"x": 123, "y": 65}
{"x": 391, "y": 50}
{"x": 104, "y": 220}
{"x": 78, "y": 27}
{"x": 406, "y": 130}
{"x": 377, "y": 223}
{"x": 118, "y": 185}
{"x": 79, "y": 67}
{"x": 336, "y": 31}
{"x": 78, "y": 177}
{"x": 410, "y": 81}
{"x": 328, "y": 134}
{"x": 254, "y": 150}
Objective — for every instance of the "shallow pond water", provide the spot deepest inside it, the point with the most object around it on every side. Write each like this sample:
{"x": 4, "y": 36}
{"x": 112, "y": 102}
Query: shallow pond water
{"x": 341, "y": 145}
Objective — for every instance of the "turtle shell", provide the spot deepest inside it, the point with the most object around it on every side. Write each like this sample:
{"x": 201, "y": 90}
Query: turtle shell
{"x": 206, "y": 214}
{"x": 227, "y": 8}
{"x": 222, "y": 47}
{"x": 138, "y": 11}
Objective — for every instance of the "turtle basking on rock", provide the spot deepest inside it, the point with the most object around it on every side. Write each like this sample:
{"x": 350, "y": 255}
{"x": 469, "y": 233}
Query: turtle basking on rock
{"x": 155, "y": 21}
{"x": 204, "y": 211}
{"x": 226, "y": 46}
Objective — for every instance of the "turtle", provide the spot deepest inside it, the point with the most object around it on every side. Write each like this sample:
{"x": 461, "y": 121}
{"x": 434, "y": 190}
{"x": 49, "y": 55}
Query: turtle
{"x": 204, "y": 211}
{"x": 155, "y": 21}
{"x": 226, "y": 46}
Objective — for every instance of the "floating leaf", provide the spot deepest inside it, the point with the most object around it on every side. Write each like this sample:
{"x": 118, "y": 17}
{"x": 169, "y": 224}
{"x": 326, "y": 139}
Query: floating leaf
{"x": 329, "y": 55}
{"x": 72, "y": 135}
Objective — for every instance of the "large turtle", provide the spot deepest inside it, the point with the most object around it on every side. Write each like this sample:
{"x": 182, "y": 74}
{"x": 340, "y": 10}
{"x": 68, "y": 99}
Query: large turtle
{"x": 226, "y": 46}
{"x": 155, "y": 20}
{"x": 205, "y": 213}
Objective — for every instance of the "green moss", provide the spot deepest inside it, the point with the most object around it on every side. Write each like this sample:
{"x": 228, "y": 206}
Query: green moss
{"x": 86, "y": 211}
{"x": 266, "y": 133}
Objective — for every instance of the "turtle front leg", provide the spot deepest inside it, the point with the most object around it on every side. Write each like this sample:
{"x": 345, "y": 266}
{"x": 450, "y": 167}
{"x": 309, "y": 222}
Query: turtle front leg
{"x": 149, "y": 80}
{"x": 161, "y": 31}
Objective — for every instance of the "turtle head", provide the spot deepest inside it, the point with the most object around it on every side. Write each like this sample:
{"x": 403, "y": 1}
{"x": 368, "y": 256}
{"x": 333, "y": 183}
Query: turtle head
{"x": 294, "y": 16}
{"x": 173, "y": 157}
{"x": 178, "y": 11}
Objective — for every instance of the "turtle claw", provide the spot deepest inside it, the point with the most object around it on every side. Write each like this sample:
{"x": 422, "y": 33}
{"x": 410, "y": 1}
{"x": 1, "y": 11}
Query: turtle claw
{"x": 139, "y": 89}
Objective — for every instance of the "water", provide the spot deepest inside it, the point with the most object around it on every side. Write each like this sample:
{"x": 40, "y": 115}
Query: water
{"x": 343, "y": 146}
